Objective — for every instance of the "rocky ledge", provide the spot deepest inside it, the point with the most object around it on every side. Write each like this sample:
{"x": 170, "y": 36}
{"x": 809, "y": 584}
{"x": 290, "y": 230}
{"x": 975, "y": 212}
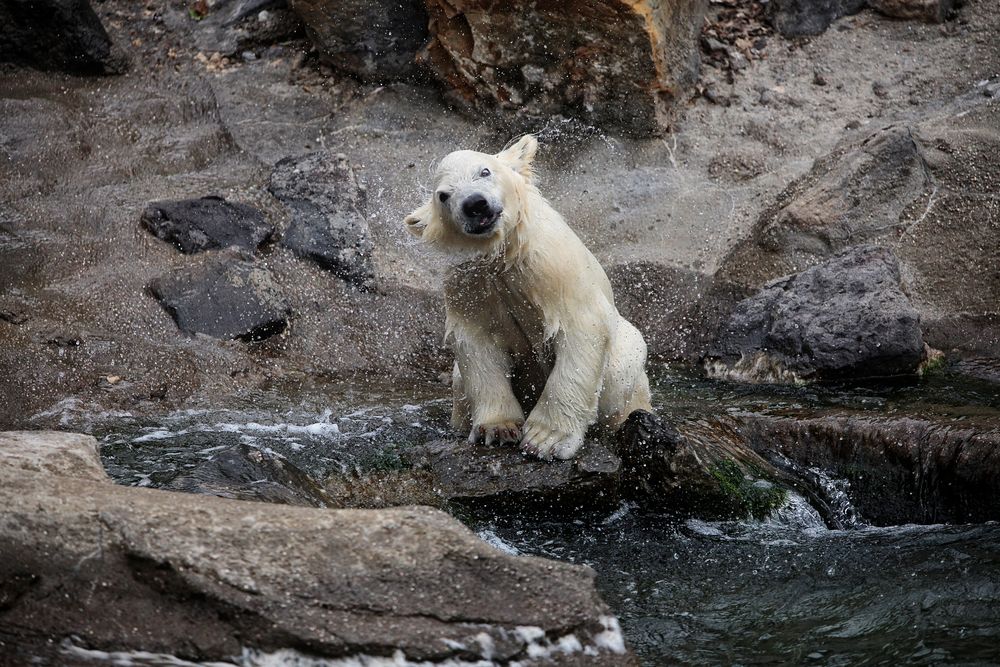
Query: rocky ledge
{"x": 88, "y": 569}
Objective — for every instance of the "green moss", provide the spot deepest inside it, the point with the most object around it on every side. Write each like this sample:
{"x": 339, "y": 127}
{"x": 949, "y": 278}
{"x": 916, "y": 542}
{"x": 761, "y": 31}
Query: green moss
{"x": 743, "y": 492}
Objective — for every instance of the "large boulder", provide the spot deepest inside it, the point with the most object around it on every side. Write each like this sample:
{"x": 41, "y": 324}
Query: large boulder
{"x": 845, "y": 318}
{"x": 88, "y": 568}
{"x": 225, "y": 295}
{"x": 927, "y": 189}
{"x": 607, "y": 62}
{"x": 327, "y": 208}
{"x": 195, "y": 225}
{"x": 56, "y": 34}
{"x": 376, "y": 40}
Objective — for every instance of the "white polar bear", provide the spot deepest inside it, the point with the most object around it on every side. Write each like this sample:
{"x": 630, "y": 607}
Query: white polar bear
{"x": 530, "y": 313}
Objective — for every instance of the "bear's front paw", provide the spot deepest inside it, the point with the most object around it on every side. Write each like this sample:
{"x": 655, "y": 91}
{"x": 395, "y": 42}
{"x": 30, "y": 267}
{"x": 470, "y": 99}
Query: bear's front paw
{"x": 547, "y": 443}
{"x": 501, "y": 433}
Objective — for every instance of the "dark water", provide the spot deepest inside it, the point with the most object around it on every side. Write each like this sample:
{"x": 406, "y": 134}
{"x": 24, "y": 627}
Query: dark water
{"x": 783, "y": 591}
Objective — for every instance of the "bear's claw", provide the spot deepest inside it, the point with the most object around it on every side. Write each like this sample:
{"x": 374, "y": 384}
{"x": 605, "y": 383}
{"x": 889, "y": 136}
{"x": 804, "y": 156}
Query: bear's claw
{"x": 548, "y": 443}
{"x": 501, "y": 433}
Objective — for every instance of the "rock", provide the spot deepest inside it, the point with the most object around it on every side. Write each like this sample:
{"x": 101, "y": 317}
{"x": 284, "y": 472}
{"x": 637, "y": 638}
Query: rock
{"x": 195, "y": 225}
{"x": 327, "y": 207}
{"x": 234, "y": 26}
{"x": 225, "y": 295}
{"x": 931, "y": 11}
{"x": 374, "y": 41}
{"x": 88, "y": 568}
{"x": 56, "y": 35}
{"x": 798, "y": 18}
{"x": 900, "y": 470}
{"x": 606, "y": 62}
{"x": 703, "y": 469}
{"x": 247, "y": 473}
{"x": 926, "y": 189}
{"x": 845, "y": 318}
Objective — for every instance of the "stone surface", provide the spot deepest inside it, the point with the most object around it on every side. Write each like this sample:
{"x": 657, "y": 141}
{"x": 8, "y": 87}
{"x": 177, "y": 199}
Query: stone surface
{"x": 607, "y": 62}
{"x": 56, "y": 34}
{"x": 844, "y": 318}
{"x": 931, "y": 11}
{"x": 327, "y": 208}
{"x": 374, "y": 40}
{"x": 126, "y": 569}
{"x": 799, "y": 18}
{"x": 195, "y": 225}
{"x": 928, "y": 189}
{"x": 224, "y": 295}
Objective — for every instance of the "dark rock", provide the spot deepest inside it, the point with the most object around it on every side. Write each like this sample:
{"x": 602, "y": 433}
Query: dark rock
{"x": 224, "y": 295}
{"x": 374, "y": 41}
{"x": 195, "y": 225}
{"x": 327, "y": 207}
{"x": 56, "y": 34}
{"x": 247, "y": 473}
{"x": 704, "y": 469}
{"x": 845, "y": 318}
{"x": 234, "y": 26}
{"x": 900, "y": 469}
{"x": 606, "y": 62}
{"x": 797, "y": 18}
{"x": 88, "y": 567}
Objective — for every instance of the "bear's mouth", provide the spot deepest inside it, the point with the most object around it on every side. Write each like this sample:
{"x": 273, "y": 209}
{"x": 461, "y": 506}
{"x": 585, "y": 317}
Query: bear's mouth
{"x": 481, "y": 224}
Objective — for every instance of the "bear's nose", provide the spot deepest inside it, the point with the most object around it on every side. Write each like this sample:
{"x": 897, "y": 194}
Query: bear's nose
{"x": 476, "y": 206}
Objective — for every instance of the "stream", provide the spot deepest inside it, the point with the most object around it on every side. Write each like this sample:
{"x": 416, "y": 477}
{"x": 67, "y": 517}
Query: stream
{"x": 786, "y": 589}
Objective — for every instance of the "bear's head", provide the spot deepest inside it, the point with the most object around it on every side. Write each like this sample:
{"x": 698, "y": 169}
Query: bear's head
{"x": 478, "y": 198}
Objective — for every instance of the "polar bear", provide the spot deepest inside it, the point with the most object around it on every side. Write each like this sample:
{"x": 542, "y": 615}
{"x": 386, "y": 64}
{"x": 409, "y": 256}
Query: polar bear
{"x": 530, "y": 313}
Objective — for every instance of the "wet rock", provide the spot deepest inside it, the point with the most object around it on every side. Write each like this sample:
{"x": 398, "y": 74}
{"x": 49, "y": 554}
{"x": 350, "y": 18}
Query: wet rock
{"x": 501, "y": 475}
{"x": 327, "y": 207}
{"x": 247, "y": 473}
{"x": 930, "y": 11}
{"x": 88, "y": 568}
{"x": 224, "y": 295}
{"x": 926, "y": 189}
{"x": 195, "y": 225}
{"x": 702, "y": 469}
{"x": 798, "y": 18}
{"x": 845, "y": 318}
{"x": 58, "y": 35}
{"x": 233, "y": 26}
{"x": 605, "y": 62}
{"x": 900, "y": 469}
{"x": 375, "y": 41}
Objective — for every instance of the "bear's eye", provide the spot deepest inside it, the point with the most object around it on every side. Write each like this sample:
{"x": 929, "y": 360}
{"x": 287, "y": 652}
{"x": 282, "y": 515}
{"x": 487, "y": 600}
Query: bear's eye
{"x": 443, "y": 197}
{"x": 485, "y": 172}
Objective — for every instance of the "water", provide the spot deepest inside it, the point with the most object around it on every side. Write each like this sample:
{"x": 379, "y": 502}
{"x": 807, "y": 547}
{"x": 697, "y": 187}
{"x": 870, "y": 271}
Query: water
{"x": 783, "y": 590}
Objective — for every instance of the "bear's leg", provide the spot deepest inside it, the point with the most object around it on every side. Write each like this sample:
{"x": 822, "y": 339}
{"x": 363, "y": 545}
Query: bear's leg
{"x": 485, "y": 370}
{"x": 626, "y": 387}
{"x": 461, "y": 418}
{"x": 568, "y": 403}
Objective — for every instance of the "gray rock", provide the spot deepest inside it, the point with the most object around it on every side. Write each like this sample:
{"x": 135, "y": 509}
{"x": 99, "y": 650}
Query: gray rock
{"x": 88, "y": 568}
{"x": 798, "y": 18}
{"x": 224, "y": 295}
{"x": 56, "y": 34}
{"x": 376, "y": 41}
{"x": 327, "y": 207}
{"x": 845, "y": 318}
{"x": 195, "y": 225}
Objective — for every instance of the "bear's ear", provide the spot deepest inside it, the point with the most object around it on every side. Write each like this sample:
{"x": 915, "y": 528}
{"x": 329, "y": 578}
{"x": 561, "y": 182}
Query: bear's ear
{"x": 416, "y": 222}
{"x": 520, "y": 156}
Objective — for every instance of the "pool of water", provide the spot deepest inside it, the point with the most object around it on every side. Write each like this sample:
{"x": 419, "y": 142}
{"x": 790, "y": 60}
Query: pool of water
{"x": 783, "y": 590}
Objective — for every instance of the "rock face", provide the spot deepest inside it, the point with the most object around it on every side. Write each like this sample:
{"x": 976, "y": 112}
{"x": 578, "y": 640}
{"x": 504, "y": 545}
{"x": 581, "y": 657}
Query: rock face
{"x": 223, "y": 295}
{"x": 126, "y": 569}
{"x": 845, "y": 318}
{"x": 375, "y": 41}
{"x": 607, "y": 62}
{"x": 195, "y": 225}
{"x": 56, "y": 34}
{"x": 327, "y": 208}
{"x": 927, "y": 189}
{"x": 797, "y": 18}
